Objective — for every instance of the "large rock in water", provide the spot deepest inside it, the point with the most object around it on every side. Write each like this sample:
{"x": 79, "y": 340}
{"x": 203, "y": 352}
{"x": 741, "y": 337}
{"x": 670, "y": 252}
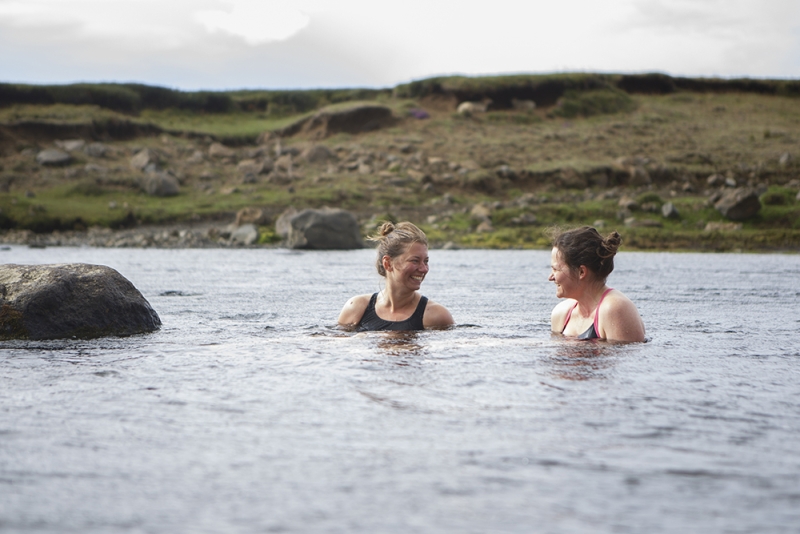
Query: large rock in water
{"x": 325, "y": 229}
{"x": 739, "y": 204}
{"x": 70, "y": 300}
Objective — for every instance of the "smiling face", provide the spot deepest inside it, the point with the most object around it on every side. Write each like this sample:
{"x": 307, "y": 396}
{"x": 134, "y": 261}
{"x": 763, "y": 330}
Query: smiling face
{"x": 565, "y": 278}
{"x": 408, "y": 269}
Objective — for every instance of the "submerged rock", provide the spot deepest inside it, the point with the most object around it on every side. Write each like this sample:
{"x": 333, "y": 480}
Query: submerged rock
{"x": 70, "y": 300}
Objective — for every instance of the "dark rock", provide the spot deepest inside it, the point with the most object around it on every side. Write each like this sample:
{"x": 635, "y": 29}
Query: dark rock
{"x": 327, "y": 228}
{"x": 738, "y": 204}
{"x": 160, "y": 184}
{"x": 53, "y": 156}
{"x": 70, "y": 300}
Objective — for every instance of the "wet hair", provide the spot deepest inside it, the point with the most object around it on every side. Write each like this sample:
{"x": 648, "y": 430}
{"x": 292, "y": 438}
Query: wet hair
{"x": 585, "y": 246}
{"x": 394, "y": 240}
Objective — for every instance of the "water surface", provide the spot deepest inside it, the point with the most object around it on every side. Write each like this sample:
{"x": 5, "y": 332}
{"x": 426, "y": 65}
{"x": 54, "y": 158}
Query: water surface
{"x": 249, "y": 411}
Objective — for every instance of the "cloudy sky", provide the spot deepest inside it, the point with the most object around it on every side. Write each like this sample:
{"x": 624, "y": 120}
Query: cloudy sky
{"x": 231, "y": 44}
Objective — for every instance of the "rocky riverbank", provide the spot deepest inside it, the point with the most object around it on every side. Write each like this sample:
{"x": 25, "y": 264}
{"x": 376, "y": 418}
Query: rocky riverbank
{"x": 688, "y": 169}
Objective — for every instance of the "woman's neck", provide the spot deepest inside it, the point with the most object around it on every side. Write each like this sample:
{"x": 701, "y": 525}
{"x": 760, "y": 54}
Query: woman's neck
{"x": 397, "y": 298}
{"x": 590, "y": 298}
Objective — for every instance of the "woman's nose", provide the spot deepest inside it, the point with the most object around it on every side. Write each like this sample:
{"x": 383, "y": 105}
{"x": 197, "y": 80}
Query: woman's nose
{"x": 551, "y": 278}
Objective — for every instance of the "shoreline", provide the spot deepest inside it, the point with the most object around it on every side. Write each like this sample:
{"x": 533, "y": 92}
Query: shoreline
{"x": 210, "y": 235}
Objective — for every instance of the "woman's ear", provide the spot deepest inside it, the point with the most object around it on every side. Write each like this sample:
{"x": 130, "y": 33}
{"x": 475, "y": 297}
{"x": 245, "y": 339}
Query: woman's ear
{"x": 582, "y": 272}
{"x": 386, "y": 261}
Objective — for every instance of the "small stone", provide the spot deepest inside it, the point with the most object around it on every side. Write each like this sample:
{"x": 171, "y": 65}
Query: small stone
{"x": 161, "y": 184}
{"x": 96, "y": 150}
{"x": 71, "y": 144}
{"x": 485, "y": 227}
{"x": 218, "y": 150}
{"x": 142, "y": 159}
{"x": 247, "y": 234}
{"x": 53, "y": 157}
{"x": 480, "y": 211}
{"x": 669, "y": 211}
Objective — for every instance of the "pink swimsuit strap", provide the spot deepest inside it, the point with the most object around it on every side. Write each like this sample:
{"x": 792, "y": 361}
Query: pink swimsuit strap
{"x": 569, "y": 313}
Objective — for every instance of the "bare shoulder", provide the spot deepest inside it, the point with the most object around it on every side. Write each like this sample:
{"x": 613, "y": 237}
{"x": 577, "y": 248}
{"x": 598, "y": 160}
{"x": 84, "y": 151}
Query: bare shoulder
{"x": 619, "y": 319}
{"x": 559, "y": 315}
{"x": 354, "y": 309}
{"x": 436, "y": 316}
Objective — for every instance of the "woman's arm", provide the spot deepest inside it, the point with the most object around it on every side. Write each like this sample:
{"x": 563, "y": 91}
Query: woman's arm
{"x": 353, "y": 310}
{"x": 559, "y": 315}
{"x": 436, "y": 316}
{"x": 619, "y": 319}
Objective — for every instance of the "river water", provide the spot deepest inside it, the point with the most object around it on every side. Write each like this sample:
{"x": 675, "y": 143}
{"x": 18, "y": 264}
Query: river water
{"x": 249, "y": 411}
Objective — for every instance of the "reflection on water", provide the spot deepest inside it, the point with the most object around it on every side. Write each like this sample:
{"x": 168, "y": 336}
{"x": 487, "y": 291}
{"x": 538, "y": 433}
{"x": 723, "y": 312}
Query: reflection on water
{"x": 575, "y": 359}
{"x": 404, "y": 344}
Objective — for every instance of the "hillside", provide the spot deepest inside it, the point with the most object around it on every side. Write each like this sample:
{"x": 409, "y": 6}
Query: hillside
{"x": 609, "y": 150}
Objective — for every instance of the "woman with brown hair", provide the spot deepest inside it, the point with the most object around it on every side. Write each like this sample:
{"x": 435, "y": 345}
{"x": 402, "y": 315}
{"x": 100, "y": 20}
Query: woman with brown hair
{"x": 581, "y": 261}
{"x": 403, "y": 261}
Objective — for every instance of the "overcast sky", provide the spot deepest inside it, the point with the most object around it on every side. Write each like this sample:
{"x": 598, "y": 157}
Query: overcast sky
{"x": 276, "y": 44}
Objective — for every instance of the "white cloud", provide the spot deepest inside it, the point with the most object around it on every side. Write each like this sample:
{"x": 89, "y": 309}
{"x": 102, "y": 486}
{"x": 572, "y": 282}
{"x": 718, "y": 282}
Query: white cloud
{"x": 325, "y": 43}
{"x": 257, "y": 22}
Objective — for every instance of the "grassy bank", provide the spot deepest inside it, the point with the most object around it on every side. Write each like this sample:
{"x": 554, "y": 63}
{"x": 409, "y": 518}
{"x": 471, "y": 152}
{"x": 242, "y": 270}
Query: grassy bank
{"x": 609, "y": 150}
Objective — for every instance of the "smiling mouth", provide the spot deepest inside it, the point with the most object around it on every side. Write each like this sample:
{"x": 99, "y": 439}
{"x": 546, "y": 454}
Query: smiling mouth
{"x": 418, "y": 278}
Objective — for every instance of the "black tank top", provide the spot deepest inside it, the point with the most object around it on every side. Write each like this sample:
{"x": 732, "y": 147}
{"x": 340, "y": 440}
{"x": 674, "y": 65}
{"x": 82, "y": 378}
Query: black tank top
{"x": 371, "y": 321}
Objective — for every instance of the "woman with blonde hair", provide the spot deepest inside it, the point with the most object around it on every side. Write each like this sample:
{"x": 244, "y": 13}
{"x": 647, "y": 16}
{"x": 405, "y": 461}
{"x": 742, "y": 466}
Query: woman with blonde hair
{"x": 581, "y": 261}
{"x": 403, "y": 261}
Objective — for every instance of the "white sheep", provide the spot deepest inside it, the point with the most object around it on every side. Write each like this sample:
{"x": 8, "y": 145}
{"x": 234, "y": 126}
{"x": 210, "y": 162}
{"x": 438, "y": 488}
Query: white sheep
{"x": 468, "y": 108}
{"x": 523, "y": 105}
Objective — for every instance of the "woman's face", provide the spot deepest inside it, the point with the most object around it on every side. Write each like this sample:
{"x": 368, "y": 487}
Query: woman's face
{"x": 409, "y": 269}
{"x": 565, "y": 279}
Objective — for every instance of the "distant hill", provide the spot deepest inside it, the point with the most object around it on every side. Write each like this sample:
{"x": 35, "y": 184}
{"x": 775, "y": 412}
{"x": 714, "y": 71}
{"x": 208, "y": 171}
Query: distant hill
{"x": 544, "y": 89}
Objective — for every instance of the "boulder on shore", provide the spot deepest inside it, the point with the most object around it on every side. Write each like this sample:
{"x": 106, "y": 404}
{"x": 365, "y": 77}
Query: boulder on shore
{"x": 355, "y": 119}
{"x": 325, "y": 229}
{"x": 738, "y": 204}
{"x": 160, "y": 184}
{"x": 70, "y": 300}
{"x": 53, "y": 157}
